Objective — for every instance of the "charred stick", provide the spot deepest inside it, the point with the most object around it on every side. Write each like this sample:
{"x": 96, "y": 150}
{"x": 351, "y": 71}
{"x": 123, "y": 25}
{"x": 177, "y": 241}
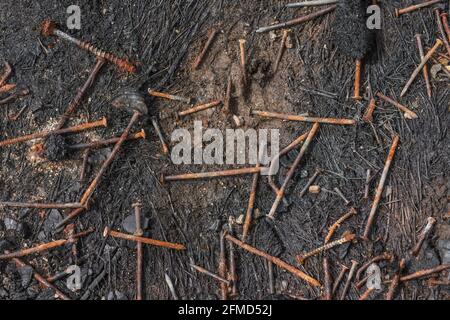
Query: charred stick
{"x": 167, "y": 96}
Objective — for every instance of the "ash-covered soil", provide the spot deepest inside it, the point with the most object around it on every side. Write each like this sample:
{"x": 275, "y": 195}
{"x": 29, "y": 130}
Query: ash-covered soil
{"x": 164, "y": 38}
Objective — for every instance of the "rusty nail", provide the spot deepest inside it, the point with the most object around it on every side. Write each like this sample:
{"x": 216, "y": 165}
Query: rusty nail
{"x": 444, "y": 17}
{"x": 211, "y": 274}
{"x": 84, "y": 165}
{"x": 281, "y": 50}
{"x": 278, "y": 262}
{"x": 437, "y": 13}
{"x": 200, "y": 107}
{"x": 227, "y": 100}
{"x": 310, "y": 182}
{"x": 327, "y": 279}
{"x": 368, "y": 114}
{"x": 338, "y": 223}
{"x": 7, "y": 87}
{"x": 20, "y": 93}
{"x": 425, "y": 67}
{"x": 154, "y": 93}
{"x": 43, "y": 134}
{"x": 412, "y": 8}
{"x": 232, "y": 260}
{"x": 291, "y": 171}
{"x": 5, "y": 74}
{"x": 158, "y": 243}
{"x": 251, "y": 205}
{"x": 18, "y": 114}
{"x": 164, "y": 146}
{"x": 70, "y": 216}
{"x": 41, "y": 205}
{"x": 357, "y": 83}
{"x": 222, "y": 270}
{"x": 213, "y": 174}
{"x": 426, "y": 230}
{"x": 107, "y": 142}
{"x": 202, "y": 54}
{"x": 139, "y": 251}
{"x": 49, "y": 28}
{"x": 302, "y": 118}
{"x": 339, "y": 278}
{"x": 420, "y": 66}
{"x": 393, "y": 286}
{"x": 381, "y": 257}
{"x": 424, "y": 273}
{"x": 380, "y": 187}
{"x": 297, "y": 21}
{"x": 349, "y": 279}
{"x": 407, "y": 113}
{"x": 243, "y": 60}
{"x": 346, "y": 238}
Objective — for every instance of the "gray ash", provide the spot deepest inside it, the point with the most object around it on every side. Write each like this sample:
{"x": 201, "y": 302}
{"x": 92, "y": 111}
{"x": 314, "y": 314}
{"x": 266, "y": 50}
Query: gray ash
{"x": 350, "y": 33}
{"x": 55, "y": 148}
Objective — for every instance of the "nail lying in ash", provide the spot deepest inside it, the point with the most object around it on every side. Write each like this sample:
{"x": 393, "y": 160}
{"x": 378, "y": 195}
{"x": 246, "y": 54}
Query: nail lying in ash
{"x": 408, "y": 113}
{"x": 7, "y": 88}
{"x": 310, "y": 3}
{"x": 441, "y": 29}
{"x": 40, "y": 279}
{"x": 351, "y": 35}
{"x": 5, "y": 74}
{"x": 349, "y": 279}
{"x": 133, "y": 102}
{"x": 213, "y": 174}
{"x": 18, "y": 94}
{"x": 154, "y": 93}
{"x": 176, "y": 246}
{"x": 280, "y": 263}
{"x": 250, "y": 206}
{"x": 444, "y": 17}
{"x": 41, "y": 205}
{"x": 380, "y": 187}
{"x": 385, "y": 256}
{"x": 425, "y": 67}
{"x": 201, "y": 56}
{"x": 297, "y": 21}
{"x": 281, "y": 50}
{"x": 243, "y": 60}
{"x": 232, "y": 261}
{"x": 49, "y": 28}
{"x": 45, "y": 246}
{"x": 366, "y": 294}
{"x": 310, "y": 182}
{"x": 399, "y": 12}
{"x": 368, "y": 114}
{"x": 396, "y": 280}
{"x": 211, "y": 274}
{"x": 222, "y": 269}
{"x": 339, "y": 278}
{"x": 43, "y": 134}
{"x": 139, "y": 251}
{"x": 425, "y": 232}
{"x": 200, "y": 108}
{"x": 338, "y": 223}
{"x": 347, "y": 238}
{"x": 327, "y": 279}
{"x": 164, "y": 146}
{"x": 288, "y": 117}
{"x": 105, "y": 143}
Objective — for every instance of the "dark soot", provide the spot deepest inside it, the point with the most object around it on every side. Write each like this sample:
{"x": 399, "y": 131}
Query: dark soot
{"x": 350, "y": 33}
{"x": 55, "y": 148}
{"x": 266, "y": 237}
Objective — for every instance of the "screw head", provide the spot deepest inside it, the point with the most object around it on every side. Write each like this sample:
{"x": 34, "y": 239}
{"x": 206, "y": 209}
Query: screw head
{"x": 106, "y": 232}
{"x": 48, "y": 28}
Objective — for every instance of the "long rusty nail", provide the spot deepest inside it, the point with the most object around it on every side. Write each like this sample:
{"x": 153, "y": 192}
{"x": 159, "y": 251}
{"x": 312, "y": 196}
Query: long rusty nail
{"x": 357, "y": 83}
{"x": 381, "y": 257}
{"x": 7, "y": 87}
{"x": 222, "y": 270}
{"x": 167, "y": 96}
{"x": 227, "y": 100}
{"x": 49, "y": 29}
{"x": 444, "y": 17}
{"x": 45, "y": 246}
{"x": 5, "y": 74}
{"x": 136, "y": 103}
{"x": 18, "y": 94}
{"x": 43, "y": 134}
{"x": 396, "y": 280}
{"x": 104, "y": 143}
{"x": 250, "y": 207}
{"x": 200, "y": 107}
{"x": 213, "y": 174}
{"x": 243, "y": 60}
{"x": 327, "y": 279}
{"x": 309, "y": 183}
{"x": 366, "y": 294}
{"x": 347, "y": 238}
{"x": 426, "y": 230}
{"x": 437, "y": 14}
{"x": 232, "y": 260}
{"x": 425, "y": 67}
{"x": 281, "y": 50}
{"x": 407, "y": 112}
{"x": 415, "y": 7}
{"x": 339, "y": 278}
{"x": 222, "y": 280}
{"x": 41, "y": 205}
{"x": 291, "y": 171}
{"x": 338, "y": 223}
{"x": 211, "y": 36}
{"x": 349, "y": 279}
{"x": 424, "y": 273}
{"x": 164, "y": 146}
{"x": 297, "y": 21}
{"x": 158, "y": 243}
{"x": 40, "y": 279}
{"x": 420, "y": 66}
{"x": 368, "y": 114}
{"x": 310, "y": 3}
{"x": 139, "y": 251}
{"x": 80, "y": 94}
{"x": 280, "y": 263}
{"x": 73, "y": 214}
{"x": 380, "y": 187}
{"x": 302, "y": 118}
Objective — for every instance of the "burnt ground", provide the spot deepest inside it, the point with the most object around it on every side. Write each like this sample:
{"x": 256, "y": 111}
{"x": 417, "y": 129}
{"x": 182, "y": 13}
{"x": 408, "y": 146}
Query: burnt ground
{"x": 164, "y": 37}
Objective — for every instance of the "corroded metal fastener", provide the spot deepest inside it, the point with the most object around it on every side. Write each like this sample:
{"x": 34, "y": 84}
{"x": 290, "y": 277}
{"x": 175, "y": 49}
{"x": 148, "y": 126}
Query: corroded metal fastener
{"x": 243, "y": 60}
{"x": 408, "y": 113}
{"x": 18, "y": 94}
{"x": 41, "y": 205}
{"x": 291, "y": 171}
{"x": 45, "y": 246}
{"x": 347, "y": 238}
{"x": 425, "y": 67}
{"x": 250, "y": 207}
{"x": 366, "y": 294}
{"x": 232, "y": 261}
{"x": 164, "y": 146}
{"x": 444, "y": 17}
{"x": 5, "y": 74}
{"x": 72, "y": 215}
{"x": 426, "y": 230}
{"x": 211, "y": 274}
{"x": 43, "y": 134}
{"x": 213, "y": 174}
{"x": 205, "y": 49}
{"x": 396, "y": 280}
{"x": 139, "y": 251}
{"x": 380, "y": 187}
{"x": 48, "y": 28}
{"x": 327, "y": 279}
{"x": 441, "y": 29}
{"x": 104, "y": 143}
{"x": 40, "y": 279}
{"x": 349, "y": 279}
{"x": 338, "y": 223}
{"x": 200, "y": 108}
{"x": 420, "y": 66}
{"x": 310, "y": 182}
{"x": 368, "y": 114}
{"x": 297, "y": 21}
{"x": 153, "y": 242}
{"x": 280, "y": 263}
{"x": 282, "y": 116}
{"x": 357, "y": 83}
{"x": 424, "y": 273}
{"x": 154, "y": 93}
{"x": 385, "y": 256}
{"x": 416, "y": 7}
{"x": 281, "y": 50}
{"x": 310, "y": 3}
{"x": 222, "y": 269}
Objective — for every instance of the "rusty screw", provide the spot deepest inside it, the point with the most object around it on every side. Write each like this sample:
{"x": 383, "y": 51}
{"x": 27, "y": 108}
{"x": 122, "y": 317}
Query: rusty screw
{"x": 48, "y": 28}
{"x": 243, "y": 60}
{"x": 412, "y": 8}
